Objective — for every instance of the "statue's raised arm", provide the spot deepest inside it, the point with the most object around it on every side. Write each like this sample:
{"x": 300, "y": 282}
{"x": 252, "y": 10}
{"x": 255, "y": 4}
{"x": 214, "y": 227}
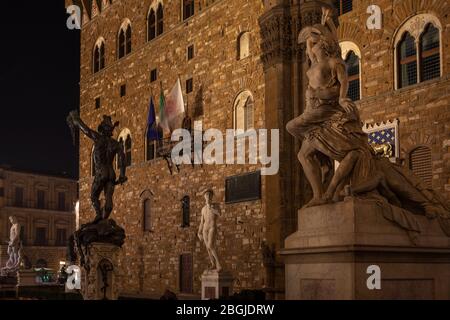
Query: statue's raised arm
{"x": 75, "y": 121}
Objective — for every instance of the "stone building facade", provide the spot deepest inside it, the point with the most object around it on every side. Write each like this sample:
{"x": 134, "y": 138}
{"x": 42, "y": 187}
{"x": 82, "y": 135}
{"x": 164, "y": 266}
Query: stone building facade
{"x": 44, "y": 206}
{"x": 223, "y": 50}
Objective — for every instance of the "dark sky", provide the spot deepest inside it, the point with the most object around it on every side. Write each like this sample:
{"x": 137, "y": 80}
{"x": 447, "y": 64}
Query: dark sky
{"x": 39, "y": 76}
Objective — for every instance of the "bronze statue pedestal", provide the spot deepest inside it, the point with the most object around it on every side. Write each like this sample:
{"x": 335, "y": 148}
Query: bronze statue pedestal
{"x": 101, "y": 276}
{"x": 336, "y": 247}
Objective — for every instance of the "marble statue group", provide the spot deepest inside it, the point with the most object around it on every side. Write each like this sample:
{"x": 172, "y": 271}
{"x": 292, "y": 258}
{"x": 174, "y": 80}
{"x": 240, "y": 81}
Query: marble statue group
{"x": 331, "y": 130}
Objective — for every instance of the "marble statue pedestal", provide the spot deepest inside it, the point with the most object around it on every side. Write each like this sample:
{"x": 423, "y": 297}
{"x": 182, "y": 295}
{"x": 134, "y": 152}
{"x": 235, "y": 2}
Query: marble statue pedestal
{"x": 101, "y": 277}
{"x": 216, "y": 285}
{"x": 27, "y": 278}
{"x": 328, "y": 257}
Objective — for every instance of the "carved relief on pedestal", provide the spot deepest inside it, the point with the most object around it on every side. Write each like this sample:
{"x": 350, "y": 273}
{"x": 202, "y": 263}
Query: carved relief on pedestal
{"x": 101, "y": 277}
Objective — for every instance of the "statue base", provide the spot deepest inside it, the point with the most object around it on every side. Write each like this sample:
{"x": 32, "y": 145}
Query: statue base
{"x": 101, "y": 276}
{"x": 216, "y": 285}
{"x": 337, "y": 247}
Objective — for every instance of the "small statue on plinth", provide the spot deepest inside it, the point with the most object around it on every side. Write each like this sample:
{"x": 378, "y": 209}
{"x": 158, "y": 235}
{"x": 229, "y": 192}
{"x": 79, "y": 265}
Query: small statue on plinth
{"x": 207, "y": 231}
{"x": 14, "y": 249}
{"x": 106, "y": 148}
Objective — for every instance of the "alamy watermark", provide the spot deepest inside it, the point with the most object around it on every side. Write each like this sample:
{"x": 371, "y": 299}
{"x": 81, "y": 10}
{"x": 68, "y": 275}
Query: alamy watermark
{"x": 74, "y": 21}
{"x": 374, "y": 280}
{"x": 73, "y": 278}
{"x": 229, "y": 148}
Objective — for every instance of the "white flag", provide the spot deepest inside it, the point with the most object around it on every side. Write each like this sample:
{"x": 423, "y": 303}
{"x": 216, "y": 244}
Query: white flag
{"x": 174, "y": 108}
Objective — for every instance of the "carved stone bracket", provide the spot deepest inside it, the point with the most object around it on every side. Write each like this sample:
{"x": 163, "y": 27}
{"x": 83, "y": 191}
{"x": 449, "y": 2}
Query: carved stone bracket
{"x": 276, "y": 34}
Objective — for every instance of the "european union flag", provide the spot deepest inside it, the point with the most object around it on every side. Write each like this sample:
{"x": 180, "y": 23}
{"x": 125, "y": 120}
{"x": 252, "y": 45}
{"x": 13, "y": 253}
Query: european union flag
{"x": 152, "y": 128}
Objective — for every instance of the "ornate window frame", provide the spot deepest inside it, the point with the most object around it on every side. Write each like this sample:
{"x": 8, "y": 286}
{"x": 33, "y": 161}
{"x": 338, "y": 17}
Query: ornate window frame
{"x": 416, "y": 25}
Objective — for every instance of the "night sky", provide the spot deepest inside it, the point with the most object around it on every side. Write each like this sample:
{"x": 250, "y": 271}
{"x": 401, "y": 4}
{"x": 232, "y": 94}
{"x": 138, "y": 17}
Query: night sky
{"x": 39, "y": 76}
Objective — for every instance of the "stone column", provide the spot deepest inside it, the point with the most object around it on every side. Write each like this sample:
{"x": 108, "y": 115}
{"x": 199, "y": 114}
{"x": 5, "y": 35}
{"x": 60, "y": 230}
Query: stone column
{"x": 284, "y": 70}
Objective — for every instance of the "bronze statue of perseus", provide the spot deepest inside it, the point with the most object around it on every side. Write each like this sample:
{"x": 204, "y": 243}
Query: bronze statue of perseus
{"x": 106, "y": 148}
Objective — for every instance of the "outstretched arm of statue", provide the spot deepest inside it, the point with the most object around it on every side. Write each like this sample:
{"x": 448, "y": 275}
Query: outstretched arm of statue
{"x": 344, "y": 101}
{"x": 75, "y": 119}
{"x": 122, "y": 164}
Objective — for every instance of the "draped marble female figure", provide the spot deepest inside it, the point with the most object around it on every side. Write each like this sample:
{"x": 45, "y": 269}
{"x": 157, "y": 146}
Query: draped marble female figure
{"x": 331, "y": 130}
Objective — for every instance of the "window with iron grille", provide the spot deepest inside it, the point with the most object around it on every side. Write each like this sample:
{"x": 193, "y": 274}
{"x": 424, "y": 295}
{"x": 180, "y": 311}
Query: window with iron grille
{"x": 430, "y": 54}
{"x": 407, "y": 70}
{"x": 352, "y": 63}
{"x": 186, "y": 273}
{"x": 343, "y": 6}
{"x": 421, "y": 165}
{"x": 188, "y": 9}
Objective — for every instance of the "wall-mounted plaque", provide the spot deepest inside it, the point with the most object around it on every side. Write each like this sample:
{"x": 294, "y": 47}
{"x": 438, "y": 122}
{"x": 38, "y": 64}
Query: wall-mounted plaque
{"x": 242, "y": 188}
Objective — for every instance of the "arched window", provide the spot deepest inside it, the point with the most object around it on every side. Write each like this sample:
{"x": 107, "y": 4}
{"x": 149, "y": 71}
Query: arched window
{"x": 160, "y": 20}
{"x": 407, "y": 60}
{"x": 244, "y": 45}
{"x": 430, "y": 53}
{"x": 186, "y": 211}
{"x": 420, "y": 164}
{"x": 147, "y": 215}
{"x": 99, "y": 56}
{"x": 151, "y": 25}
{"x": 124, "y": 39}
{"x": 354, "y": 85}
{"x": 244, "y": 111}
{"x": 417, "y": 45}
